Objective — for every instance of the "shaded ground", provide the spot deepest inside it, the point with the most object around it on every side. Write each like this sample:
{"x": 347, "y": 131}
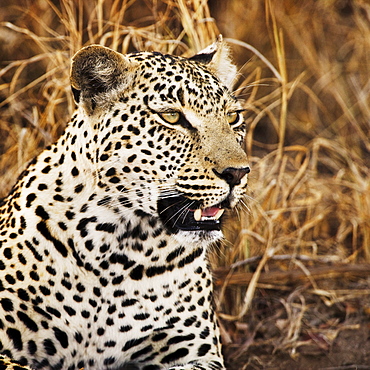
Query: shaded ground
{"x": 350, "y": 350}
{"x": 301, "y": 327}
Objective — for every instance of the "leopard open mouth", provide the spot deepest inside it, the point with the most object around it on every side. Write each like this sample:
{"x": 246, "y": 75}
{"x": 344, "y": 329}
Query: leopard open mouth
{"x": 180, "y": 213}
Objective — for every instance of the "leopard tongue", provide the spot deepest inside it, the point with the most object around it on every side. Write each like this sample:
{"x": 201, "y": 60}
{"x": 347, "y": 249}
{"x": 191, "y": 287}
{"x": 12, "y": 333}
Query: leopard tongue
{"x": 209, "y": 213}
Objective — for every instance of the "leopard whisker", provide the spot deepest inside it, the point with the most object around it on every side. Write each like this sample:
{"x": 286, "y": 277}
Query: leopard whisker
{"x": 181, "y": 211}
{"x": 173, "y": 205}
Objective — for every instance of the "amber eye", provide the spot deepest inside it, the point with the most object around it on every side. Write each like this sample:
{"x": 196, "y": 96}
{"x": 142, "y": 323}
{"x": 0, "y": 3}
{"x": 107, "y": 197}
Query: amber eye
{"x": 233, "y": 117}
{"x": 170, "y": 117}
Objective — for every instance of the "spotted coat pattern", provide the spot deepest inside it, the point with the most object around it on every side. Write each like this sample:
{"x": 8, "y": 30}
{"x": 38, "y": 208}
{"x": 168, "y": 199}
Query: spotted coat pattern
{"x": 103, "y": 238}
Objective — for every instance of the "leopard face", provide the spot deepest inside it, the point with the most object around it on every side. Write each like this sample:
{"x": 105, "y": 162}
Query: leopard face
{"x": 172, "y": 136}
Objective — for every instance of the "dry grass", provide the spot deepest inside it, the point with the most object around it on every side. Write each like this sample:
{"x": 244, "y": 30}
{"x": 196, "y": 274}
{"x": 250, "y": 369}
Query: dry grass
{"x": 306, "y": 88}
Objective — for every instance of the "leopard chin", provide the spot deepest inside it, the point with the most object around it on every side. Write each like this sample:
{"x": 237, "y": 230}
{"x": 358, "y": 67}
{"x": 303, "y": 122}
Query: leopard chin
{"x": 203, "y": 237}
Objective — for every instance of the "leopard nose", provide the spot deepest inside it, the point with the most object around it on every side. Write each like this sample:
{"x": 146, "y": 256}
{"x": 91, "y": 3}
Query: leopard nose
{"x": 233, "y": 175}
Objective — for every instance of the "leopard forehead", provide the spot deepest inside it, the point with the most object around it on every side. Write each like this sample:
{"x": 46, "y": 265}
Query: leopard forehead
{"x": 166, "y": 80}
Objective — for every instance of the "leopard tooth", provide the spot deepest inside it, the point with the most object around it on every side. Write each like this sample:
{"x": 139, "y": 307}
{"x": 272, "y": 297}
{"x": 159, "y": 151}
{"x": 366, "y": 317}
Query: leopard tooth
{"x": 197, "y": 214}
{"x": 219, "y": 214}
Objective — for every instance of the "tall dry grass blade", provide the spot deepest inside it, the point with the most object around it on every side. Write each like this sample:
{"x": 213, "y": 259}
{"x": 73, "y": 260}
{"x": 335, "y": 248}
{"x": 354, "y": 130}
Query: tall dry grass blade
{"x": 279, "y": 47}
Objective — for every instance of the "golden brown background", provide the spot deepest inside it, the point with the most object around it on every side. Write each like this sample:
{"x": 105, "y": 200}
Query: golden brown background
{"x": 292, "y": 276}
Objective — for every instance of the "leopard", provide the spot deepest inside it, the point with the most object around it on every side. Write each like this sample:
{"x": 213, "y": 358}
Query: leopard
{"x": 106, "y": 235}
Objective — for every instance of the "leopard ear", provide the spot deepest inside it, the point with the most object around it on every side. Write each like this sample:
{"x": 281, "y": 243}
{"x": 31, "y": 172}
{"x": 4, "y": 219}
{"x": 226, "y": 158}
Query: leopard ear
{"x": 97, "y": 74}
{"x": 217, "y": 58}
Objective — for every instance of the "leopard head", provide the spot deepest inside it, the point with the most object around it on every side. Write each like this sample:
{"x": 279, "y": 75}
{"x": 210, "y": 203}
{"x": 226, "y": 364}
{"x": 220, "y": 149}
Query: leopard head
{"x": 167, "y": 133}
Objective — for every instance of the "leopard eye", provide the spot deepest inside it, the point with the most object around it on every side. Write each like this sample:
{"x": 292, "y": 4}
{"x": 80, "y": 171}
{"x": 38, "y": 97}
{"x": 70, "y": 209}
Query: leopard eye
{"x": 170, "y": 117}
{"x": 233, "y": 117}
